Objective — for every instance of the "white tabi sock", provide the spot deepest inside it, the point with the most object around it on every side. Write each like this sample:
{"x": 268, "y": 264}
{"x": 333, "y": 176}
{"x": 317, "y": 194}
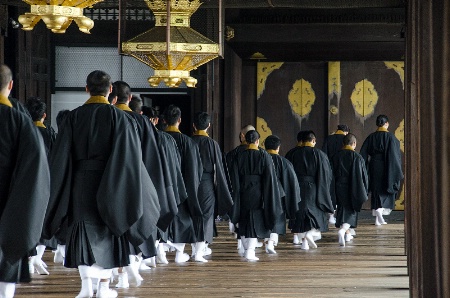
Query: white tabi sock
{"x": 180, "y": 256}
{"x": 37, "y": 262}
{"x": 86, "y": 275}
{"x": 7, "y": 289}
{"x": 310, "y": 238}
{"x": 250, "y": 252}
{"x": 104, "y": 291}
{"x": 161, "y": 254}
{"x": 379, "y": 220}
{"x": 199, "y": 252}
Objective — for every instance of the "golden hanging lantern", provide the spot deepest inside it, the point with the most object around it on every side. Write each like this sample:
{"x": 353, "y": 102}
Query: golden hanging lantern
{"x": 58, "y": 14}
{"x": 172, "y": 48}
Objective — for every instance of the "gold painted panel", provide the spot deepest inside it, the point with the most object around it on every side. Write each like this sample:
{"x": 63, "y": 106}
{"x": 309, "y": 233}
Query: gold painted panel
{"x": 263, "y": 129}
{"x": 301, "y": 98}
{"x": 364, "y": 98}
{"x": 263, "y": 71}
{"x": 398, "y": 67}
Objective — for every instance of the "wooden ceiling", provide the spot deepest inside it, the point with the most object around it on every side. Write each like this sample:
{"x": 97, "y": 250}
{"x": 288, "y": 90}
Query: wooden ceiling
{"x": 298, "y": 30}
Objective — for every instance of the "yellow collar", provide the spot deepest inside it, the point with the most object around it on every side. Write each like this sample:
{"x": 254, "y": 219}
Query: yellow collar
{"x": 339, "y": 132}
{"x": 300, "y": 144}
{"x": 348, "y": 147}
{"x": 252, "y": 147}
{"x": 97, "y": 99}
{"x": 123, "y": 107}
{"x": 308, "y": 144}
{"x": 39, "y": 124}
{"x": 271, "y": 151}
{"x": 172, "y": 128}
{"x": 201, "y": 132}
{"x": 382, "y": 129}
{"x": 5, "y": 101}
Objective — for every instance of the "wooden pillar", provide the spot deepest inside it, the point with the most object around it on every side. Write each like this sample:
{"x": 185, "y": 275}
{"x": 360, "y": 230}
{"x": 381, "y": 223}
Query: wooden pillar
{"x": 428, "y": 147}
{"x": 232, "y": 99}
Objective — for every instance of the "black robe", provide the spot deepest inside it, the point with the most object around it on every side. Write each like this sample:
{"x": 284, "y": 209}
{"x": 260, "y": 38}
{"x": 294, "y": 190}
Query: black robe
{"x": 189, "y": 212}
{"x": 49, "y": 137}
{"x": 156, "y": 165}
{"x": 231, "y": 155}
{"x": 24, "y": 192}
{"x": 168, "y": 146}
{"x": 155, "y": 162}
{"x": 351, "y": 183}
{"x": 314, "y": 175}
{"x": 100, "y": 184}
{"x": 381, "y": 151}
{"x": 290, "y": 201}
{"x": 19, "y": 106}
{"x": 213, "y": 193}
{"x": 331, "y": 145}
{"x": 257, "y": 204}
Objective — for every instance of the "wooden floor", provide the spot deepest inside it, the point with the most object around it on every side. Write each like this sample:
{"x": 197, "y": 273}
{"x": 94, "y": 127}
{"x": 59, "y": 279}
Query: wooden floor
{"x": 372, "y": 265}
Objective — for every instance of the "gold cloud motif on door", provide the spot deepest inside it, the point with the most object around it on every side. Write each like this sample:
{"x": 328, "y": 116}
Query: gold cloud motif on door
{"x": 364, "y": 98}
{"x": 399, "y": 68}
{"x": 301, "y": 99}
{"x": 263, "y": 129}
{"x": 264, "y": 69}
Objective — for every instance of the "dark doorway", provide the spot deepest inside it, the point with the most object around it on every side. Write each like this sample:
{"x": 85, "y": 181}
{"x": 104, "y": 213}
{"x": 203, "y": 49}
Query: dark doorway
{"x": 160, "y": 101}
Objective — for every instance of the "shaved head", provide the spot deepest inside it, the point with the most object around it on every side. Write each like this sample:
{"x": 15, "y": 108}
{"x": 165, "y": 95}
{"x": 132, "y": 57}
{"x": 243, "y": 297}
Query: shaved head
{"x": 5, "y": 76}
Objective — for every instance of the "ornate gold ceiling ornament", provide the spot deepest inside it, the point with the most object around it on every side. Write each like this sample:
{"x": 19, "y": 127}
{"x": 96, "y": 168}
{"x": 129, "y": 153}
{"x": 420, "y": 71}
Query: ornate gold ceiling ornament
{"x": 172, "y": 48}
{"x": 58, "y": 14}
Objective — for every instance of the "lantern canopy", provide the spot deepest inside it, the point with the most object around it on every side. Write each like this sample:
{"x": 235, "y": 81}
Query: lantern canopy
{"x": 58, "y": 14}
{"x": 172, "y": 48}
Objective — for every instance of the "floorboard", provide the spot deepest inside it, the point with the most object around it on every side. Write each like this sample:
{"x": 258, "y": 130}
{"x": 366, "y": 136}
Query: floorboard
{"x": 372, "y": 265}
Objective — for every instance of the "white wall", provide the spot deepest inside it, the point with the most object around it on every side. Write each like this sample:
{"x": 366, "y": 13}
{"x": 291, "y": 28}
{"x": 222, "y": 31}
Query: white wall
{"x": 66, "y": 100}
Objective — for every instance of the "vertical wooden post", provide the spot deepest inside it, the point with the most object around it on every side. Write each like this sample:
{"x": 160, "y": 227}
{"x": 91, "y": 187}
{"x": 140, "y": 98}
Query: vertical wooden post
{"x": 428, "y": 148}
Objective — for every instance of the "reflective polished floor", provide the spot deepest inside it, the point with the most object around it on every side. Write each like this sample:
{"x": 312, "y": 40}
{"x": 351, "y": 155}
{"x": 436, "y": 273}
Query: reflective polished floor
{"x": 373, "y": 264}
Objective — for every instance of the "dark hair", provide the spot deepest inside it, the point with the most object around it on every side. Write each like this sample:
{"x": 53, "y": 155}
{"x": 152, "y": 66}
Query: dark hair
{"x": 201, "y": 120}
{"x": 343, "y": 127}
{"x": 122, "y": 91}
{"x": 62, "y": 115}
{"x": 272, "y": 142}
{"x": 381, "y": 120}
{"x": 36, "y": 107}
{"x": 172, "y": 114}
{"x": 135, "y": 104}
{"x": 308, "y": 136}
{"x": 161, "y": 125}
{"x": 98, "y": 82}
{"x": 148, "y": 111}
{"x": 251, "y": 136}
{"x": 5, "y": 76}
{"x": 300, "y": 135}
{"x": 349, "y": 139}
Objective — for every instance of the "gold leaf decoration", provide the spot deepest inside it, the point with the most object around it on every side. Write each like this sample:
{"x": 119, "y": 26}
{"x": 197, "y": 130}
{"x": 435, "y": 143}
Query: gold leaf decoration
{"x": 398, "y": 67}
{"x": 400, "y": 134}
{"x": 301, "y": 98}
{"x": 400, "y": 202}
{"x": 364, "y": 99}
{"x": 334, "y": 78}
{"x": 263, "y": 71}
{"x": 263, "y": 130}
